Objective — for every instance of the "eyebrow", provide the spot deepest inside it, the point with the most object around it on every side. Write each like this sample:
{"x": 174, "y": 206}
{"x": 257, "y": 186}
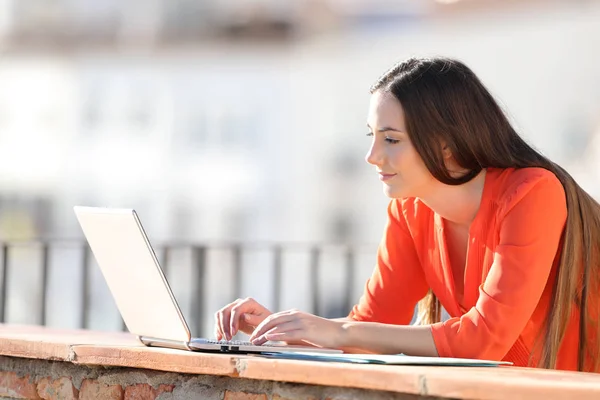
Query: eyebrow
{"x": 386, "y": 129}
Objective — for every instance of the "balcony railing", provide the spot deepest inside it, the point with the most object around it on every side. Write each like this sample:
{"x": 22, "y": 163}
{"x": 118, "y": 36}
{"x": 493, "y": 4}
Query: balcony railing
{"x": 39, "y": 263}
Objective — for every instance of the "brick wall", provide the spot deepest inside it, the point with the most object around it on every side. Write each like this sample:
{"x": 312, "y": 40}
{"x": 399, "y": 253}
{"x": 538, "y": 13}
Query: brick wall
{"x": 40, "y": 379}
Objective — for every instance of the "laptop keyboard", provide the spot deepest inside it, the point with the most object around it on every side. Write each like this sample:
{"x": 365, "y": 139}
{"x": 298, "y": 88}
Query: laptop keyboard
{"x": 230, "y": 342}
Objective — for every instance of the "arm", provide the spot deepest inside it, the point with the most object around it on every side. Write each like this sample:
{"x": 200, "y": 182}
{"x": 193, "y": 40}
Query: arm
{"x": 398, "y": 281}
{"x": 353, "y": 337}
{"x": 390, "y": 296}
{"x": 365, "y": 337}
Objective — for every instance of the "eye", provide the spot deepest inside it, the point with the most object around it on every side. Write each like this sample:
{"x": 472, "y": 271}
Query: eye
{"x": 369, "y": 133}
{"x": 391, "y": 141}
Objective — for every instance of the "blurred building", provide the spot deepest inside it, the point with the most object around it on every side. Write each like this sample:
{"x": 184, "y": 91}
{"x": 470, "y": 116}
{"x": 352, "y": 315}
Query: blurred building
{"x": 242, "y": 119}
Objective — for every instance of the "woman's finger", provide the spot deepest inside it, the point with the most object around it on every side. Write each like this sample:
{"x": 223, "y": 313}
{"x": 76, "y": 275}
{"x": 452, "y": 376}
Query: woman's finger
{"x": 218, "y": 332}
{"x": 252, "y": 320}
{"x": 245, "y": 307}
{"x": 272, "y": 321}
{"x": 224, "y": 316}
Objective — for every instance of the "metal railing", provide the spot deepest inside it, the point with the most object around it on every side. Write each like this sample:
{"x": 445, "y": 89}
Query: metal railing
{"x": 199, "y": 253}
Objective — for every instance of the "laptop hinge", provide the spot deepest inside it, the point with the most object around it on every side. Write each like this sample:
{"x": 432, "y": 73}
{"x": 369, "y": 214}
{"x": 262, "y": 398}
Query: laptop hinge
{"x": 156, "y": 342}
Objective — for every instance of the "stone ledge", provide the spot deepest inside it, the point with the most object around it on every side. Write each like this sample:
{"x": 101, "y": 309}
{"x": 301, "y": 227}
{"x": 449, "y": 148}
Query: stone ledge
{"x": 168, "y": 360}
{"x": 88, "y": 348}
{"x": 54, "y": 344}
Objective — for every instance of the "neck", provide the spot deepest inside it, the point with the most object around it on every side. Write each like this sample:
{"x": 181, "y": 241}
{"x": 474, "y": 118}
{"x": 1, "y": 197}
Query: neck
{"x": 456, "y": 204}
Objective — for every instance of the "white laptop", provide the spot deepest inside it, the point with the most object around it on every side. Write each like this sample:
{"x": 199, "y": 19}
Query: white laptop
{"x": 141, "y": 290}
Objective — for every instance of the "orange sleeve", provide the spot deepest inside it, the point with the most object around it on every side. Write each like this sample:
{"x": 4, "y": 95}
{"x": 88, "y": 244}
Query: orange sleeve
{"x": 531, "y": 225}
{"x": 398, "y": 282}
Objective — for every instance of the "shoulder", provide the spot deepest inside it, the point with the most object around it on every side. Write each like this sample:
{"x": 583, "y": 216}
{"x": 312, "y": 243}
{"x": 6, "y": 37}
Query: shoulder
{"x": 511, "y": 186}
{"x": 410, "y": 212}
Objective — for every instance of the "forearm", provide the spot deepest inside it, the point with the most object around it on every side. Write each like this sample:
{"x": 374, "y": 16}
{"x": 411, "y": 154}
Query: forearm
{"x": 370, "y": 337}
{"x": 303, "y": 343}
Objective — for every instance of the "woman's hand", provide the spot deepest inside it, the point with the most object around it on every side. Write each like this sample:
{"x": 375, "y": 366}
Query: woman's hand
{"x": 299, "y": 327}
{"x": 241, "y": 315}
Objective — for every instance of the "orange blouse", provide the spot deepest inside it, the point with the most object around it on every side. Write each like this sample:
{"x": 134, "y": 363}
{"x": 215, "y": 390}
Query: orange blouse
{"x": 511, "y": 264}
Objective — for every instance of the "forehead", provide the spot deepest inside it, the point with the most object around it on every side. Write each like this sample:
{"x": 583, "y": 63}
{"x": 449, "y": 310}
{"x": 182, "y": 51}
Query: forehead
{"x": 385, "y": 109}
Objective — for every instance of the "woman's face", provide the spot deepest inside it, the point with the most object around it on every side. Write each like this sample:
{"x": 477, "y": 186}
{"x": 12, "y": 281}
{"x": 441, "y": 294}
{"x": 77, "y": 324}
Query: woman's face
{"x": 400, "y": 167}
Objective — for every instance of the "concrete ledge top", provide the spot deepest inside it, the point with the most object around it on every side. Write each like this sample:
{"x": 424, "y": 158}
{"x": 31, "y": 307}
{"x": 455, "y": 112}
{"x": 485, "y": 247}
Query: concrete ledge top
{"x": 123, "y": 350}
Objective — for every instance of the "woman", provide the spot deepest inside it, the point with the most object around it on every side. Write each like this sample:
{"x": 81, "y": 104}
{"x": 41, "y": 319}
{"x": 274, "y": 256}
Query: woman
{"x": 479, "y": 223}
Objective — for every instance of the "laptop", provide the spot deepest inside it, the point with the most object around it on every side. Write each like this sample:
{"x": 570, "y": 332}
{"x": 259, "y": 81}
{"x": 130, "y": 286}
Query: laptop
{"x": 140, "y": 288}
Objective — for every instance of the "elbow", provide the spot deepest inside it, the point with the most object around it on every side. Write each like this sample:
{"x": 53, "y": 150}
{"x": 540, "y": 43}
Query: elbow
{"x": 465, "y": 338}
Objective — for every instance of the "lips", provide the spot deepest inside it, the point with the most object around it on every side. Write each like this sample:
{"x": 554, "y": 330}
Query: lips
{"x": 385, "y": 177}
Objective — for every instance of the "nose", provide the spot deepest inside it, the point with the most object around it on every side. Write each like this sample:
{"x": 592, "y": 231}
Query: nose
{"x": 374, "y": 155}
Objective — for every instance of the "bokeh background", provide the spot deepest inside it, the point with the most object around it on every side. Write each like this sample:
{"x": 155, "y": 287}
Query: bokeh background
{"x": 243, "y": 121}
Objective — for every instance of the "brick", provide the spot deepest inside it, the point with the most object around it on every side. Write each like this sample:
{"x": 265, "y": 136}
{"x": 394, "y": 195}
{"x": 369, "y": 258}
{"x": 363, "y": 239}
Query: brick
{"x": 164, "y": 389}
{"x": 143, "y": 391}
{"x": 92, "y": 389}
{"x": 15, "y": 387}
{"x": 61, "y": 388}
{"x": 229, "y": 395}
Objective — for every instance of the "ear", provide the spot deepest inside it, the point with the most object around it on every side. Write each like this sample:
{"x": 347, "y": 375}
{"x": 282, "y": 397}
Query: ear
{"x": 446, "y": 152}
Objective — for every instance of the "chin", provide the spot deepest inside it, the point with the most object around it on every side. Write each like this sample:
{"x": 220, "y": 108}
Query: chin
{"x": 393, "y": 193}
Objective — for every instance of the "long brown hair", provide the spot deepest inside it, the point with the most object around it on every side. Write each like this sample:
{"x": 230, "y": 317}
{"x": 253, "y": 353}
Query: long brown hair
{"x": 443, "y": 100}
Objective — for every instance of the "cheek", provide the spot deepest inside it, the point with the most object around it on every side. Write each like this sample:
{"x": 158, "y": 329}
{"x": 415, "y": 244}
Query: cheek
{"x": 405, "y": 159}
{"x": 400, "y": 157}
{"x": 420, "y": 172}
{"x": 410, "y": 166}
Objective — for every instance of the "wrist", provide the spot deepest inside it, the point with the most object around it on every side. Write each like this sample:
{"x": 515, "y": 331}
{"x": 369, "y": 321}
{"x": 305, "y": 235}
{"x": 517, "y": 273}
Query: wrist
{"x": 345, "y": 330}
